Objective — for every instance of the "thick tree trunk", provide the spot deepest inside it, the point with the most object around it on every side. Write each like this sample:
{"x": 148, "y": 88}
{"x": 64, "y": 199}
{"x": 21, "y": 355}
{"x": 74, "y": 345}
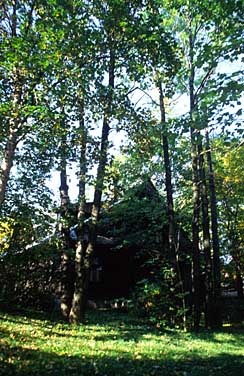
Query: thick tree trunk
{"x": 209, "y": 313}
{"x": 215, "y": 236}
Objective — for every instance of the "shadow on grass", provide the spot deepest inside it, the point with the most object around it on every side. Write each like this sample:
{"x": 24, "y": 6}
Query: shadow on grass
{"x": 20, "y": 361}
{"x": 19, "y": 312}
{"x": 129, "y": 328}
{"x": 27, "y": 359}
{"x": 102, "y": 326}
{"x": 112, "y": 325}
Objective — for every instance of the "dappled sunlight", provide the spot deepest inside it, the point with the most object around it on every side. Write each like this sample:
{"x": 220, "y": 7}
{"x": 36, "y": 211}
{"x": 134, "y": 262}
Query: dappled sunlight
{"x": 36, "y": 347}
{"x": 20, "y": 360}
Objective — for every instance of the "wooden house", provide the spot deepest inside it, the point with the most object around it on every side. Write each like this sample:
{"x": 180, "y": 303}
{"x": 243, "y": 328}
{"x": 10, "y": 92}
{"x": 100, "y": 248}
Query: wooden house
{"x": 131, "y": 233}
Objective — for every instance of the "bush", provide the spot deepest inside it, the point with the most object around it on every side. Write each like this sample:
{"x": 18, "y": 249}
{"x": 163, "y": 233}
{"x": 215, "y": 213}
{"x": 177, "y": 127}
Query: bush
{"x": 30, "y": 277}
{"x": 158, "y": 298}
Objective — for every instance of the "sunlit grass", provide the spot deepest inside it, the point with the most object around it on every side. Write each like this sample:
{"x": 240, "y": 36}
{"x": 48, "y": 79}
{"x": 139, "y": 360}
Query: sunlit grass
{"x": 112, "y": 344}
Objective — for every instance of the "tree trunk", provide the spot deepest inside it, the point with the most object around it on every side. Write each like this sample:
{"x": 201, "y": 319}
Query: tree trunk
{"x": 239, "y": 283}
{"x": 194, "y": 133}
{"x": 81, "y": 277}
{"x": 168, "y": 178}
{"x": 84, "y": 257}
{"x": 7, "y": 162}
{"x": 206, "y": 242}
{"x": 215, "y": 236}
{"x": 173, "y": 244}
{"x": 8, "y": 156}
{"x": 195, "y": 234}
{"x": 66, "y": 262}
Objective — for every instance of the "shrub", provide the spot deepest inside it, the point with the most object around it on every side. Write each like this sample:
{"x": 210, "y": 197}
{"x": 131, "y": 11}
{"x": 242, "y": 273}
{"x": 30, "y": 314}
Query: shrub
{"x": 30, "y": 277}
{"x": 158, "y": 298}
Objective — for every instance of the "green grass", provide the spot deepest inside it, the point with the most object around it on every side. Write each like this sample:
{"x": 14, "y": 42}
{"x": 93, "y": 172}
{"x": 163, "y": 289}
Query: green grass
{"x": 113, "y": 345}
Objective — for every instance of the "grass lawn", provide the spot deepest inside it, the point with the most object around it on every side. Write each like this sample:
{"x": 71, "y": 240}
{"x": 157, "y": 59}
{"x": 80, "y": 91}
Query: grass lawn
{"x": 113, "y": 344}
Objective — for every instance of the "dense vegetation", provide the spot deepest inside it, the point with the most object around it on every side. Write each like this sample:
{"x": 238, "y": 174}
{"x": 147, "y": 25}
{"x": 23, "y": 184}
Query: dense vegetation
{"x": 108, "y": 96}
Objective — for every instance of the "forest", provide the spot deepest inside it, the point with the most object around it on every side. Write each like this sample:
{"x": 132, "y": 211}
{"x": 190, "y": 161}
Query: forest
{"x": 121, "y": 159}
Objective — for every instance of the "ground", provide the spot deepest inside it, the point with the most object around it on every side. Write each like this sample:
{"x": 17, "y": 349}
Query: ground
{"x": 113, "y": 344}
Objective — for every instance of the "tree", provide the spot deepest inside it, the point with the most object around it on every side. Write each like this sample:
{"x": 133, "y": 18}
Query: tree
{"x": 229, "y": 175}
{"x": 204, "y": 45}
{"x": 214, "y": 225}
{"x": 24, "y": 63}
{"x": 110, "y": 23}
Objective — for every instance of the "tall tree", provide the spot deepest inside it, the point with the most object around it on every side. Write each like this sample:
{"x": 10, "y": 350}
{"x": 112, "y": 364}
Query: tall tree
{"x": 22, "y": 76}
{"x": 78, "y": 303}
{"x": 229, "y": 173}
{"x": 168, "y": 177}
{"x": 215, "y": 233}
{"x": 66, "y": 263}
{"x": 205, "y": 45}
{"x": 209, "y": 315}
{"x": 110, "y": 18}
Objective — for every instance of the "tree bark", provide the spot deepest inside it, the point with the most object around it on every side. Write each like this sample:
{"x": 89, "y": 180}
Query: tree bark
{"x": 215, "y": 235}
{"x": 79, "y": 298}
{"x": 84, "y": 257}
{"x": 66, "y": 262}
{"x": 7, "y": 161}
{"x": 194, "y": 133}
{"x": 168, "y": 178}
{"x": 209, "y": 313}
{"x": 195, "y": 233}
{"x": 8, "y": 157}
{"x": 173, "y": 244}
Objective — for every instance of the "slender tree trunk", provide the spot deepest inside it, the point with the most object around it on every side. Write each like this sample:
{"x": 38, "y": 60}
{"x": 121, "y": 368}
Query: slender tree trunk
{"x": 173, "y": 244}
{"x": 66, "y": 262}
{"x": 194, "y": 133}
{"x": 85, "y": 257}
{"x": 7, "y": 161}
{"x": 215, "y": 236}
{"x": 8, "y": 156}
{"x": 206, "y": 242}
{"x": 79, "y": 297}
{"x": 195, "y": 234}
{"x": 168, "y": 177}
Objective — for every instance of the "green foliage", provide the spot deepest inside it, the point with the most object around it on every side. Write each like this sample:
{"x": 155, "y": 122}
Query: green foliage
{"x": 23, "y": 224}
{"x": 30, "y": 277}
{"x": 138, "y": 219}
{"x": 139, "y": 222}
{"x": 229, "y": 179}
{"x": 157, "y": 298}
{"x": 6, "y": 233}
